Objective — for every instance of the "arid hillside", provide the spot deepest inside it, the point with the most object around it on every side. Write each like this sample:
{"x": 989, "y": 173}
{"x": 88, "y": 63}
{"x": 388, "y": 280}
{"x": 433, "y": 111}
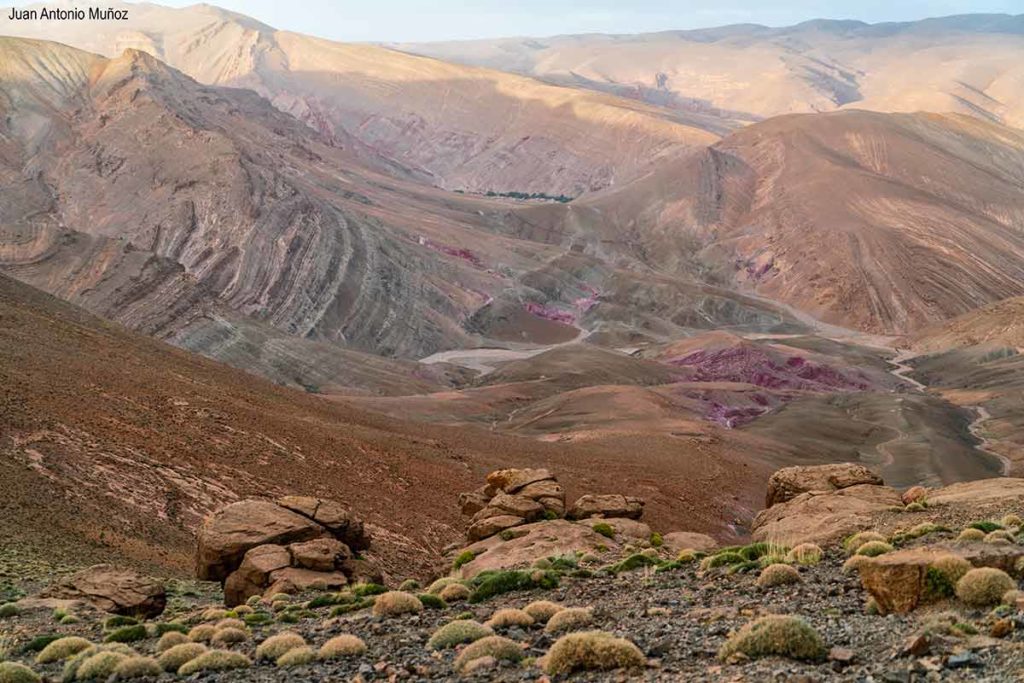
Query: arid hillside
{"x": 462, "y": 128}
{"x": 965, "y": 64}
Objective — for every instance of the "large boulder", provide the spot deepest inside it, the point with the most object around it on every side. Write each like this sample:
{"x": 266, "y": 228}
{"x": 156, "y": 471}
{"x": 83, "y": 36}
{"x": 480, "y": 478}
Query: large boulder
{"x": 678, "y": 541}
{"x": 511, "y": 481}
{"x": 330, "y": 514}
{"x": 112, "y": 589}
{"x": 320, "y": 554}
{"x": 898, "y": 581}
{"x": 790, "y": 482}
{"x": 229, "y": 533}
{"x": 607, "y": 505}
{"x": 253, "y": 575}
{"x": 298, "y": 580}
{"x": 819, "y": 517}
{"x": 489, "y": 526}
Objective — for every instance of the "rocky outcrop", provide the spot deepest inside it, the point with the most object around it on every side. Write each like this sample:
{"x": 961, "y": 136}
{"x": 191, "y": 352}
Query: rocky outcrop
{"x": 295, "y": 544}
{"x": 898, "y": 581}
{"x": 112, "y": 589}
{"x": 511, "y": 498}
{"x": 608, "y": 505}
{"x": 824, "y": 517}
{"x": 790, "y": 482}
{"x": 677, "y": 541}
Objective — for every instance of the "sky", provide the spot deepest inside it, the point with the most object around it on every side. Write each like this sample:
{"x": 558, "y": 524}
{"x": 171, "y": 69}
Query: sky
{"x": 426, "y": 20}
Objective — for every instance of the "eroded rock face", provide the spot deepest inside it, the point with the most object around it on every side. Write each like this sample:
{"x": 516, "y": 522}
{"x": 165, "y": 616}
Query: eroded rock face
{"x": 511, "y": 498}
{"x": 608, "y": 505}
{"x": 824, "y": 517}
{"x": 298, "y": 543}
{"x": 677, "y": 541}
{"x": 789, "y": 482}
{"x": 112, "y": 589}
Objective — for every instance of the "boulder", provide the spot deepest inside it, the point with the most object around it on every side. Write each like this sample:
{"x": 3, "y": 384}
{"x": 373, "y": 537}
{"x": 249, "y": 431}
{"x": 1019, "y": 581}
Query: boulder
{"x": 790, "y": 482}
{"x": 330, "y": 514}
{"x": 548, "y": 493}
{"x": 914, "y": 494}
{"x": 822, "y": 518}
{"x": 677, "y": 541}
{"x": 625, "y": 528}
{"x": 253, "y": 575}
{"x": 362, "y": 571}
{"x": 532, "y": 542}
{"x": 473, "y": 502}
{"x": 321, "y": 554}
{"x": 518, "y": 506}
{"x": 297, "y": 580}
{"x": 608, "y": 505}
{"x": 112, "y": 589}
{"x": 492, "y": 525}
{"x": 898, "y": 580}
{"x": 226, "y": 536}
{"x": 512, "y": 480}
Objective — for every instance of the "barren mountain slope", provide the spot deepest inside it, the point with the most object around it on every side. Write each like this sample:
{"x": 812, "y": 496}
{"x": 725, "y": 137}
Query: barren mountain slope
{"x": 460, "y": 127}
{"x": 112, "y": 444}
{"x": 969, "y": 64}
{"x": 998, "y": 324}
{"x": 878, "y": 222}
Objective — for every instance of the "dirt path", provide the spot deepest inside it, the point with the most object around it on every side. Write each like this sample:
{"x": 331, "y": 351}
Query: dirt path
{"x": 486, "y": 360}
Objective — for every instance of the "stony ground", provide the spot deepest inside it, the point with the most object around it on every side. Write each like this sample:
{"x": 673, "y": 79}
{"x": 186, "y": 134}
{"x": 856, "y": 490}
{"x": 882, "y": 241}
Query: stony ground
{"x": 679, "y": 618}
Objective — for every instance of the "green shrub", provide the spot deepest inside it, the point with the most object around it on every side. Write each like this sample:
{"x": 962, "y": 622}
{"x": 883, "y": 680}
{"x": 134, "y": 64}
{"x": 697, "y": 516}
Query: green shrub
{"x": 501, "y": 649}
{"x": 173, "y": 658}
{"x": 542, "y": 610}
{"x": 852, "y": 543}
{"x": 323, "y": 600}
{"x": 496, "y": 583}
{"x": 137, "y": 667}
{"x": 465, "y": 557}
{"x": 721, "y": 559}
{"x": 657, "y": 540}
{"x": 169, "y": 627}
{"x": 8, "y": 610}
{"x": 952, "y": 567}
{"x": 345, "y": 645}
{"x": 780, "y": 635}
{"x": 257, "y": 619}
{"x": 394, "y": 603}
{"x": 605, "y": 529}
{"x": 39, "y": 643}
{"x": 509, "y": 617}
{"x": 299, "y": 656}
{"x": 592, "y": 651}
{"x": 457, "y": 633}
{"x": 215, "y": 660}
{"x": 409, "y": 585}
{"x": 985, "y": 526}
{"x": 276, "y": 645}
{"x": 984, "y": 586}
{"x": 777, "y": 575}
{"x": 431, "y": 601}
{"x": 633, "y": 562}
{"x": 362, "y": 590}
{"x": 117, "y": 621}
{"x": 127, "y": 634}
{"x": 570, "y": 619}
{"x": 874, "y": 549}
{"x": 365, "y": 603}
{"x": 13, "y": 672}
{"x": 62, "y": 648}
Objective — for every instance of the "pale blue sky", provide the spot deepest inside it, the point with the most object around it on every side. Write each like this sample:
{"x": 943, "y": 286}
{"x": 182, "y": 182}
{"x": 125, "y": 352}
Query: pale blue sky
{"x": 421, "y": 20}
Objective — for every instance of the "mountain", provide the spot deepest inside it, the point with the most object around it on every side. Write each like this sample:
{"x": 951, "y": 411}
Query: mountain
{"x": 966, "y": 64}
{"x": 462, "y": 128}
{"x": 878, "y": 222}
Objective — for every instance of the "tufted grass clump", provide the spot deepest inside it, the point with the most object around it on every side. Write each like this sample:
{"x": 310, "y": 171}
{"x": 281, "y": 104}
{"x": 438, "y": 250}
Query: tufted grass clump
{"x": 15, "y": 672}
{"x": 257, "y": 619}
{"x": 170, "y": 639}
{"x": 592, "y": 651}
{"x": 570, "y": 619}
{"x": 9, "y": 610}
{"x": 202, "y": 633}
{"x": 605, "y": 529}
{"x": 999, "y": 536}
{"x": 465, "y": 557}
{"x": 362, "y": 590}
{"x": 918, "y": 531}
{"x": 138, "y": 667}
{"x": 509, "y": 618}
{"x": 116, "y": 622}
{"x": 498, "y": 647}
{"x": 99, "y": 666}
{"x": 127, "y": 634}
{"x": 971, "y": 535}
{"x": 776, "y": 634}
{"x": 62, "y": 648}
{"x": 172, "y": 658}
{"x": 276, "y": 645}
{"x": 1011, "y": 520}
{"x": 489, "y": 584}
{"x": 874, "y": 549}
{"x": 635, "y": 561}
{"x": 688, "y": 555}
{"x": 431, "y": 601}
{"x": 229, "y": 636}
{"x": 395, "y": 603}
{"x": 215, "y": 660}
{"x": 169, "y": 626}
{"x": 986, "y": 526}
{"x": 36, "y": 644}
{"x": 339, "y": 647}
{"x": 437, "y": 586}
{"x": 455, "y": 592}
{"x": 721, "y": 559}
{"x": 778, "y": 575}
{"x": 542, "y": 610}
{"x": 984, "y": 586}
{"x": 807, "y": 554}
{"x": 852, "y": 543}
{"x": 457, "y": 633}
{"x": 299, "y": 656}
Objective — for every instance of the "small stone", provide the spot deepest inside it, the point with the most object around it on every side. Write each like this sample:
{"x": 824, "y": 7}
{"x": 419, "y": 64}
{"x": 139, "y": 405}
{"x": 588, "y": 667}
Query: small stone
{"x": 964, "y": 660}
{"x": 916, "y": 645}
{"x": 841, "y": 655}
{"x": 1002, "y": 628}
